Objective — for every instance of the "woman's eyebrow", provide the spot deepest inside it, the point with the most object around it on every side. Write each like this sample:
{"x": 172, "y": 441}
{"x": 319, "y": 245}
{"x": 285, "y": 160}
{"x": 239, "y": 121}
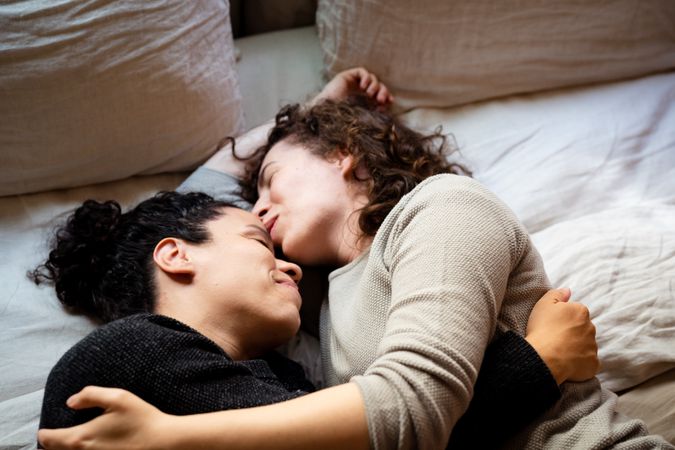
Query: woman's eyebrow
{"x": 262, "y": 172}
{"x": 262, "y": 232}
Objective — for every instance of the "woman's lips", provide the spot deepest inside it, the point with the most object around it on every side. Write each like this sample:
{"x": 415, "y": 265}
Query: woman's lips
{"x": 291, "y": 284}
{"x": 270, "y": 225}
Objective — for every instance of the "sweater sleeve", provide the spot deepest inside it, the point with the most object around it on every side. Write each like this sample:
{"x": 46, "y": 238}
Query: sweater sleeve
{"x": 218, "y": 185}
{"x": 514, "y": 386}
{"x": 451, "y": 252}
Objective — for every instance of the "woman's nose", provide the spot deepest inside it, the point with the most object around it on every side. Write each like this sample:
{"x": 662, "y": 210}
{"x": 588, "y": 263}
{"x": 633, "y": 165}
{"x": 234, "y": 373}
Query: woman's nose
{"x": 259, "y": 209}
{"x": 292, "y": 270}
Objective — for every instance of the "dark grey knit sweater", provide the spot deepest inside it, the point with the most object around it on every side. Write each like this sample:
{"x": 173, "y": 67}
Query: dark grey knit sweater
{"x": 169, "y": 365}
{"x": 180, "y": 371}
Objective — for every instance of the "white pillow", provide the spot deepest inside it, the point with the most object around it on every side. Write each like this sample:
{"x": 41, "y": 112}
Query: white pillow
{"x": 450, "y": 52}
{"x": 98, "y": 92}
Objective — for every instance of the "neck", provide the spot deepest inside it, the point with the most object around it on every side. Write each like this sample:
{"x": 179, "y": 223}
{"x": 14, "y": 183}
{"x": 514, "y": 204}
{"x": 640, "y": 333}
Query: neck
{"x": 199, "y": 318}
{"x": 352, "y": 242}
{"x": 233, "y": 347}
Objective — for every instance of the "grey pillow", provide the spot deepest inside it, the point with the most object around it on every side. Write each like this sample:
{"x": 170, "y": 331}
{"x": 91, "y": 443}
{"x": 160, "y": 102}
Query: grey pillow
{"x": 450, "y": 52}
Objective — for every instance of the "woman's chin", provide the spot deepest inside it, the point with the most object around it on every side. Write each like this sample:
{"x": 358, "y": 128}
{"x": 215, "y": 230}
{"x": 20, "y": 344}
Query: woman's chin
{"x": 305, "y": 256}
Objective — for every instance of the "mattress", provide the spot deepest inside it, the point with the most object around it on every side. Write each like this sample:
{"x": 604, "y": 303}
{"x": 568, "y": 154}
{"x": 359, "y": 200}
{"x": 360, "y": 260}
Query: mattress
{"x": 590, "y": 171}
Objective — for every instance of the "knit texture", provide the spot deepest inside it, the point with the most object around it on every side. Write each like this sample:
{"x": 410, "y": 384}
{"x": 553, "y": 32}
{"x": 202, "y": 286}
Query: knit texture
{"x": 169, "y": 365}
{"x": 410, "y": 319}
{"x": 514, "y": 386}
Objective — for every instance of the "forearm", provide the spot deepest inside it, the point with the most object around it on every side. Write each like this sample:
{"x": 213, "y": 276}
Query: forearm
{"x": 356, "y": 80}
{"x": 330, "y": 419}
{"x": 224, "y": 161}
{"x": 514, "y": 386}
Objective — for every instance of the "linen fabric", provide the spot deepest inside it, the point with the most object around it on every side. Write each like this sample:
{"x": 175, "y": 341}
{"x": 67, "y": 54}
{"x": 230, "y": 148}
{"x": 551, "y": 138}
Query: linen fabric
{"x": 446, "y": 53}
{"x": 93, "y": 92}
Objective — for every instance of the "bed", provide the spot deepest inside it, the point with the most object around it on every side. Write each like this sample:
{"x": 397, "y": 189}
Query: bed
{"x": 587, "y": 164}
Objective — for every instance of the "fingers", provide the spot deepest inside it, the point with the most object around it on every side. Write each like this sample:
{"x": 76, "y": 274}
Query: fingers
{"x": 383, "y": 96}
{"x": 60, "y": 439}
{"x": 369, "y": 84}
{"x": 96, "y": 397}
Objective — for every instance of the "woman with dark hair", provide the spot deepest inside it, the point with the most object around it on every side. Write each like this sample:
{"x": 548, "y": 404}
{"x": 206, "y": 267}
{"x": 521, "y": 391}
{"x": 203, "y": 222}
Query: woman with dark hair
{"x": 429, "y": 272}
{"x": 194, "y": 302}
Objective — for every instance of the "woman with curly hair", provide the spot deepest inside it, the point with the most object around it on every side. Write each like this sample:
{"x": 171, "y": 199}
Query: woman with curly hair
{"x": 430, "y": 269}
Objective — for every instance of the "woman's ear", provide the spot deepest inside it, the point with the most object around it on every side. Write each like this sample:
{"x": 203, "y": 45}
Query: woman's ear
{"x": 349, "y": 168}
{"x": 171, "y": 256}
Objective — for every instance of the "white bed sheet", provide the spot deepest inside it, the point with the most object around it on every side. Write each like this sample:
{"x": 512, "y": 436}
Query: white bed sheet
{"x": 591, "y": 172}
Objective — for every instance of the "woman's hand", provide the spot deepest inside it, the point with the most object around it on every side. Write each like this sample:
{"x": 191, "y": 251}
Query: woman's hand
{"x": 352, "y": 81}
{"x": 128, "y": 422}
{"x": 564, "y": 336}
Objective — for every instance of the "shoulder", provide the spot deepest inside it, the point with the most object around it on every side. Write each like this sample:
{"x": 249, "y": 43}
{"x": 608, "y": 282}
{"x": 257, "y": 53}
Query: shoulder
{"x": 441, "y": 188}
{"x": 107, "y": 343}
{"x": 139, "y": 338}
{"x": 128, "y": 331}
{"x": 99, "y": 358}
{"x": 451, "y": 199}
{"x": 452, "y": 207}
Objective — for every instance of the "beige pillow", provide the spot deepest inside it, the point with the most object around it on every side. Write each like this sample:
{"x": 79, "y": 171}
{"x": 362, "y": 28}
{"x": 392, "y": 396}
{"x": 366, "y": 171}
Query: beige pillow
{"x": 276, "y": 69}
{"x": 97, "y": 92}
{"x": 449, "y": 52}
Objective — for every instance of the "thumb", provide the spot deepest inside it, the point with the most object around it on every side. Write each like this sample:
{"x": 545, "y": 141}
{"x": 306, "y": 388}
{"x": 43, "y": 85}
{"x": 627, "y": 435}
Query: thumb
{"x": 566, "y": 293}
{"x": 558, "y": 295}
{"x": 95, "y": 397}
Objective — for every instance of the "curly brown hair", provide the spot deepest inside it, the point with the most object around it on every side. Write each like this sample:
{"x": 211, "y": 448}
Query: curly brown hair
{"x": 396, "y": 157}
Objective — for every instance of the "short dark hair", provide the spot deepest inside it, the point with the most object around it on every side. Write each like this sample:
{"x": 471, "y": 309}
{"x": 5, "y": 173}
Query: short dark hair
{"x": 101, "y": 259}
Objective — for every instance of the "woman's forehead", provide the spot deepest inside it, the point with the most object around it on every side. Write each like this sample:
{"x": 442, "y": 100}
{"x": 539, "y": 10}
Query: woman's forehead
{"x": 235, "y": 218}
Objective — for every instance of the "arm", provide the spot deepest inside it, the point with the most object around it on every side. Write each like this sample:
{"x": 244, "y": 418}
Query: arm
{"x": 343, "y": 84}
{"x": 505, "y": 380}
{"x": 514, "y": 386}
{"x": 333, "y": 418}
{"x": 519, "y": 377}
{"x": 455, "y": 253}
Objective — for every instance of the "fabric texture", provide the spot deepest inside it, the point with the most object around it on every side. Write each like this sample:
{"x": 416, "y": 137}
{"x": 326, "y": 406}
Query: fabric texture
{"x": 513, "y": 387}
{"x": 277, "y": 69}
{"x": 654, "y": 402}
{"x": 446, "y": 53}
{"x": 168, "y": 364}
{"x": 449, "y": 267}
{"x": 93, "y": 92}
{"x": 218, "y": 185}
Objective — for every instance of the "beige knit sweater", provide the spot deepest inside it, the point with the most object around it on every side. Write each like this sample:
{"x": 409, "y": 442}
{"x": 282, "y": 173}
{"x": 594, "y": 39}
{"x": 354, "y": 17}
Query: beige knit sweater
{"x": 409, "y": 320}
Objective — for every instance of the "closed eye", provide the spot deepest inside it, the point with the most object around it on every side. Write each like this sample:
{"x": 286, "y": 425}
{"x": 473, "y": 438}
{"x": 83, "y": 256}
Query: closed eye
{"x": 264, "y": 179}
{"x": 259, "y": 234}
{"x": 265, "y": 244}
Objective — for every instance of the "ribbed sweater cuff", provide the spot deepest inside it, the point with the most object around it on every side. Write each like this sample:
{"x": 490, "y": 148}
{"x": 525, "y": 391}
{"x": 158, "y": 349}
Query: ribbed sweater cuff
{"x": 513, "y": 388}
